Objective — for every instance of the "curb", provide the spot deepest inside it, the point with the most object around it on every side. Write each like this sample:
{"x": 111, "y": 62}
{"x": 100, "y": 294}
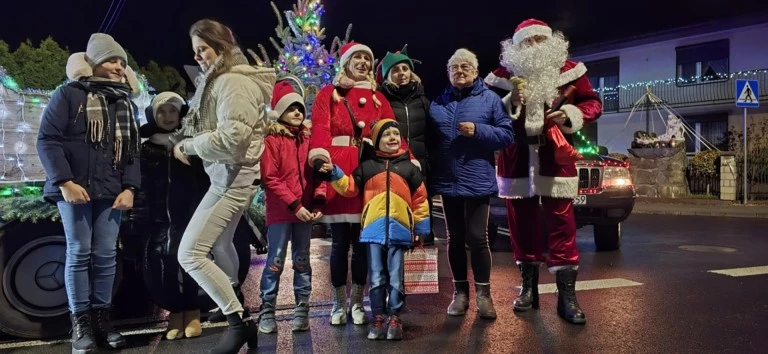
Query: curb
{"x": 718, "y": 213}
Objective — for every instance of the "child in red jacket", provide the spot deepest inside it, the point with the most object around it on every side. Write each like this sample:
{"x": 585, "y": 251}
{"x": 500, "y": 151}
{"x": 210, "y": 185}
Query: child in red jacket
{"x": 288, "y": 186}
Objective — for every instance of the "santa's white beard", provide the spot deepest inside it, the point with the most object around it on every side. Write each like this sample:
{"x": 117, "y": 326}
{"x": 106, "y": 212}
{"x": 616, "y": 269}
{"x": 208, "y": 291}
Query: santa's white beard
{"x": 540, "y": 66}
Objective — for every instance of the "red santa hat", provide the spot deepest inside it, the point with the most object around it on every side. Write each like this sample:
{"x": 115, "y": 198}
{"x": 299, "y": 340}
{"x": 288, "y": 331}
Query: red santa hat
{"x": 499, "y": 78}
{"x": 346, "y": 51}
{"x": 531, "y": 27}
{"x": 283, "y": 96}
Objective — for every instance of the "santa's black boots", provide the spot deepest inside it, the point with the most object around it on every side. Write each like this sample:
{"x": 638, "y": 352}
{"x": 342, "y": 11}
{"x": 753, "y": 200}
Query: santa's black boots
{"x": 529, "y": 294}
{"x": 567, "y": 306}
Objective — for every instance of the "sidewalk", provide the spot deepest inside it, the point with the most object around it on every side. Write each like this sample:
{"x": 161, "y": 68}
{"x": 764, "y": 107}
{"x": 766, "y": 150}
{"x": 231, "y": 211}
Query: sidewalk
{"x": 700, "y": 207}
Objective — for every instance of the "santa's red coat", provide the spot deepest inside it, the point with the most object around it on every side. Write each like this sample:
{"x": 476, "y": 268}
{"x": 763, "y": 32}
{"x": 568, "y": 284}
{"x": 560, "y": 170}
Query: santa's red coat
{"x": 528, "y": 170}
{"x": 331, "y": 128}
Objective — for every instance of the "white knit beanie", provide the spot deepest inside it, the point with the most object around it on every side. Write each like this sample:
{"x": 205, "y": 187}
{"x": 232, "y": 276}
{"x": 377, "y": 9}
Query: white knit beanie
{"x": 167, "y": 97}
{"x": 463, "y": 55}
{"x": 102, "y": 47}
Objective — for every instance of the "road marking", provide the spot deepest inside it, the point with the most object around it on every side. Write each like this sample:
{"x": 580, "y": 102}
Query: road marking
{"x": 741, "y": 272}
{"x": 591, "y": 285}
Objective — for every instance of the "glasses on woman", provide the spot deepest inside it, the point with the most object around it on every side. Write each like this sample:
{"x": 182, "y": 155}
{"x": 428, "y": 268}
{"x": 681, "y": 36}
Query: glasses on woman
{"x": 463, "y": 67}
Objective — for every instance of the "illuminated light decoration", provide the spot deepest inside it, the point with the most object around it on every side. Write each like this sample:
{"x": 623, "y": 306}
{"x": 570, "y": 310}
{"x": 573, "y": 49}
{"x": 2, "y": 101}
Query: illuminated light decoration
{"x": 301, "y": 51}
{"x": 586, "y": 147}
{"x": 683, "y": 81}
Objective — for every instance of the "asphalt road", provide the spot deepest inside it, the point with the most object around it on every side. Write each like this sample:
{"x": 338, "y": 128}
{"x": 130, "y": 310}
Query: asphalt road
{"x": 656, "y": 295}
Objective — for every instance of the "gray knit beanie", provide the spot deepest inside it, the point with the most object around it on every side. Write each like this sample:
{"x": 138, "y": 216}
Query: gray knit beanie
{"x": 102, "y": 47}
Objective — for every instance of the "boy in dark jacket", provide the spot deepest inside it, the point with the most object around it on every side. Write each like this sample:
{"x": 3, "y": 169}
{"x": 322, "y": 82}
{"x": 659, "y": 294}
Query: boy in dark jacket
{"x": 88, "y": 144}
{"x": 171, "y": 191}
{"x": 289, "y": 187}
{"x": 395, "y": 218}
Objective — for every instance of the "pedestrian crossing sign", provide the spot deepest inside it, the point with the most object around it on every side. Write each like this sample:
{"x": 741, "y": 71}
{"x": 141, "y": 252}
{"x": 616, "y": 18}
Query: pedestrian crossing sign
{"x": 747, "y": 94}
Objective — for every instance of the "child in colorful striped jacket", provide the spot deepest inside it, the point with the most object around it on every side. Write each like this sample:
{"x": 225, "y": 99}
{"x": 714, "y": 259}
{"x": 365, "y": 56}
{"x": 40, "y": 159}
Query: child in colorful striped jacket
{"x": 395, "y": 217}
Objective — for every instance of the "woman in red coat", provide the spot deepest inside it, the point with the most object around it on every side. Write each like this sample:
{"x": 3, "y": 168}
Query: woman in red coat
{"x": 341, "y": 116}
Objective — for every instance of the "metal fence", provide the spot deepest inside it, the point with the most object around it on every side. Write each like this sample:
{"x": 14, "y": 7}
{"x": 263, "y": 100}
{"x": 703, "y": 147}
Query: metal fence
{"x": 757, "y": 181}
{"x": 703, "y": 185}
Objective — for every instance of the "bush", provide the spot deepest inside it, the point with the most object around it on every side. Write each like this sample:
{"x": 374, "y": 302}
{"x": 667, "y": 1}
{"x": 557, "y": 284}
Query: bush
{"x": 704, "y": 164}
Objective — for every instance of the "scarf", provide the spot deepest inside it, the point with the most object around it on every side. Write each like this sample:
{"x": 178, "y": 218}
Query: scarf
{"x": 197, "y": 120}
{"x": 126, "y": 134}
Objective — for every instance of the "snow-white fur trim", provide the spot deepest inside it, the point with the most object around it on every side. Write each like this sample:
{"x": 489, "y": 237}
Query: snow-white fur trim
{"x": 417, "y": 163}
{"x": 536, "y": 263}
{"x": 286, "y": 101}
{"x": 533, "y": 30}
{"x": 557, "y": 187}
{"x": 523, "y": 187}
{"x": 513, "y": 113}
{"x": 500, "y": 82}
{"x": 534, "y": 184}
{"x": 78, "y": 67}
{"x": 554, "y": 269}
{"x": 318, "y": 153}
{"x": 572, "y": 74}
{"x": 349, "y": 218}
{"x": 515, "y": 188}
{"x": 575, "y": 115}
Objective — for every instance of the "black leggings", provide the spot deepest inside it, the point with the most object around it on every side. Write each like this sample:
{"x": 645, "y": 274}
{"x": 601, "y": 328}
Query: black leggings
{"x": 467, "y": 222}
{"x": 345, "y": 235}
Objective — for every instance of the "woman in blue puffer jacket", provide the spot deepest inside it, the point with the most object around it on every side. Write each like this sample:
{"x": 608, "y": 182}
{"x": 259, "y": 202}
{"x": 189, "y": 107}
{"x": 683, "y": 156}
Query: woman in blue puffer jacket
{"x": 471, "y": 124}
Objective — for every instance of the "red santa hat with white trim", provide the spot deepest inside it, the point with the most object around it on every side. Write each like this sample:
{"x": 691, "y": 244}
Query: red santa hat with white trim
{"x": 283, "y": 96}
{"x": 531, "y": 27}
{"x": 346, "y": 51}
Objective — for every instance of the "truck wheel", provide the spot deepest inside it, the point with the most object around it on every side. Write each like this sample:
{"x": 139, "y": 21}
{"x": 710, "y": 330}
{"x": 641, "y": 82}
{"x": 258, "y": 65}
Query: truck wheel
{"x": 32, "y": 257}
{"x": 607, "y": 237}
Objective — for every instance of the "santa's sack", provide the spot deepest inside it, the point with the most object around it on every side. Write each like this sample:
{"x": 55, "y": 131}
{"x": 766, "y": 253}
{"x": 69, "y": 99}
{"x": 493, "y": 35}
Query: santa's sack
{"x": 421, "y": 271}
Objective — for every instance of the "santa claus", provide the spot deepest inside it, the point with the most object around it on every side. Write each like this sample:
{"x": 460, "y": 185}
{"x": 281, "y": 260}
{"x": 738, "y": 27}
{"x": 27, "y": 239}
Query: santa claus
{"x": 550, "y": 98}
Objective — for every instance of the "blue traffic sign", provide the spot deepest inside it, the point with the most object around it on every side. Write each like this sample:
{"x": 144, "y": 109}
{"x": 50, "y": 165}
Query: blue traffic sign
{"x": 747, "y": 94}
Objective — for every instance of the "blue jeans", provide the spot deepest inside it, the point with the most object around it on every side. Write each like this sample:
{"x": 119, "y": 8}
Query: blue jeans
{"x": 278, "y": 236}
{"x": 91, "y": 231}
{"x": 386, "y": 268}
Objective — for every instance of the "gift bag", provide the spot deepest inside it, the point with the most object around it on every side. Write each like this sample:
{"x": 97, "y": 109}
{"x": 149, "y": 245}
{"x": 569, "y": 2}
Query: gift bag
{"x": 421, "y": 271}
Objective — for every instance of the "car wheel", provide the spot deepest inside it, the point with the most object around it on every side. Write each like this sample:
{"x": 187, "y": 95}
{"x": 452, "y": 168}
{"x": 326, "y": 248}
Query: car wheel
{"x": 607, "y": 237}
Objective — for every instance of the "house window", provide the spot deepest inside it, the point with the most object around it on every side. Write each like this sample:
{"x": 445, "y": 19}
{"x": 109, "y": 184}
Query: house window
{"x": 604, "y": 77}
{"x": 703, "y": 62}
{"x": 711, "y": 128}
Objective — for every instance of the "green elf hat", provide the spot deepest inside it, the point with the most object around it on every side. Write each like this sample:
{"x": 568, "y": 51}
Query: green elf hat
{"x": 390, "y": 60}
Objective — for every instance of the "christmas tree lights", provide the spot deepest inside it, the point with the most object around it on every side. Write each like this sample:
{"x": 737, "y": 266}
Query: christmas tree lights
{"x": 584, "y": 146}
{"x": 301, "y": 50}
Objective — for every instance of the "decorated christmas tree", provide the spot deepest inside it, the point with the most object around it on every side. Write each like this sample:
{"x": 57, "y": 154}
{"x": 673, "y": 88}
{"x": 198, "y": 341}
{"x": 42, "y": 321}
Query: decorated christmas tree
{"x": 301, "y": 49}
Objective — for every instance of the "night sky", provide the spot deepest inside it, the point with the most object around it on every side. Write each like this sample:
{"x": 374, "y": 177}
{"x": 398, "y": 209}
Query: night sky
{"x": 433, "y": 29}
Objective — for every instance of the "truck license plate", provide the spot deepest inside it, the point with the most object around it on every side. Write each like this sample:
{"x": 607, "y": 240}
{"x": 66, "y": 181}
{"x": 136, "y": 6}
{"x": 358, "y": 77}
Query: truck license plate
{"x": 580, "y": 200}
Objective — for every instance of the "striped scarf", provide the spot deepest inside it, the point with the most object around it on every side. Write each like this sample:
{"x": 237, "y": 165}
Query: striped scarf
{"x": 197, "y": 120}
{"x": 126, "y": 134}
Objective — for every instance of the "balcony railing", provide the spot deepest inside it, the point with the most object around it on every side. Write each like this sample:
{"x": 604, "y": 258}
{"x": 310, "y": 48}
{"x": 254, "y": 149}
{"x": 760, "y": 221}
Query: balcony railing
{"x": 681, "y": 93}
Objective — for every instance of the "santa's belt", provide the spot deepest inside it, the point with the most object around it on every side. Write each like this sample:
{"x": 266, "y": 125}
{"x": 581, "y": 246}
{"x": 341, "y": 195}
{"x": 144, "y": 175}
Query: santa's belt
{"x": 345, "y": 140}
{"x": 535, "y": 140}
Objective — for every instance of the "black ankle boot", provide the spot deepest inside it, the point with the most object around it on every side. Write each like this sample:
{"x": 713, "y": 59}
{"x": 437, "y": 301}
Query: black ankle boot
{"x": 529, "y": 293}
{"x": 567, "y": 306}
{"x": 83, "y": 340}
{"x": 218, "y": 316}
{"x": 238, "y": 333}
{"x": 106, "y": 335}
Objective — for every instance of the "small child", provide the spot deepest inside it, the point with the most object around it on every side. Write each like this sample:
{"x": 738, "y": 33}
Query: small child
{"x": 395, "y": 217}
{"x": 170, "y": 192}
{"x": 288, "y": 190}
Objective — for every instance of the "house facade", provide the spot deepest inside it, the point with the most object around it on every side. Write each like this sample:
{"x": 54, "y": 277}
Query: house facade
{"x": 693, "y": 70}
